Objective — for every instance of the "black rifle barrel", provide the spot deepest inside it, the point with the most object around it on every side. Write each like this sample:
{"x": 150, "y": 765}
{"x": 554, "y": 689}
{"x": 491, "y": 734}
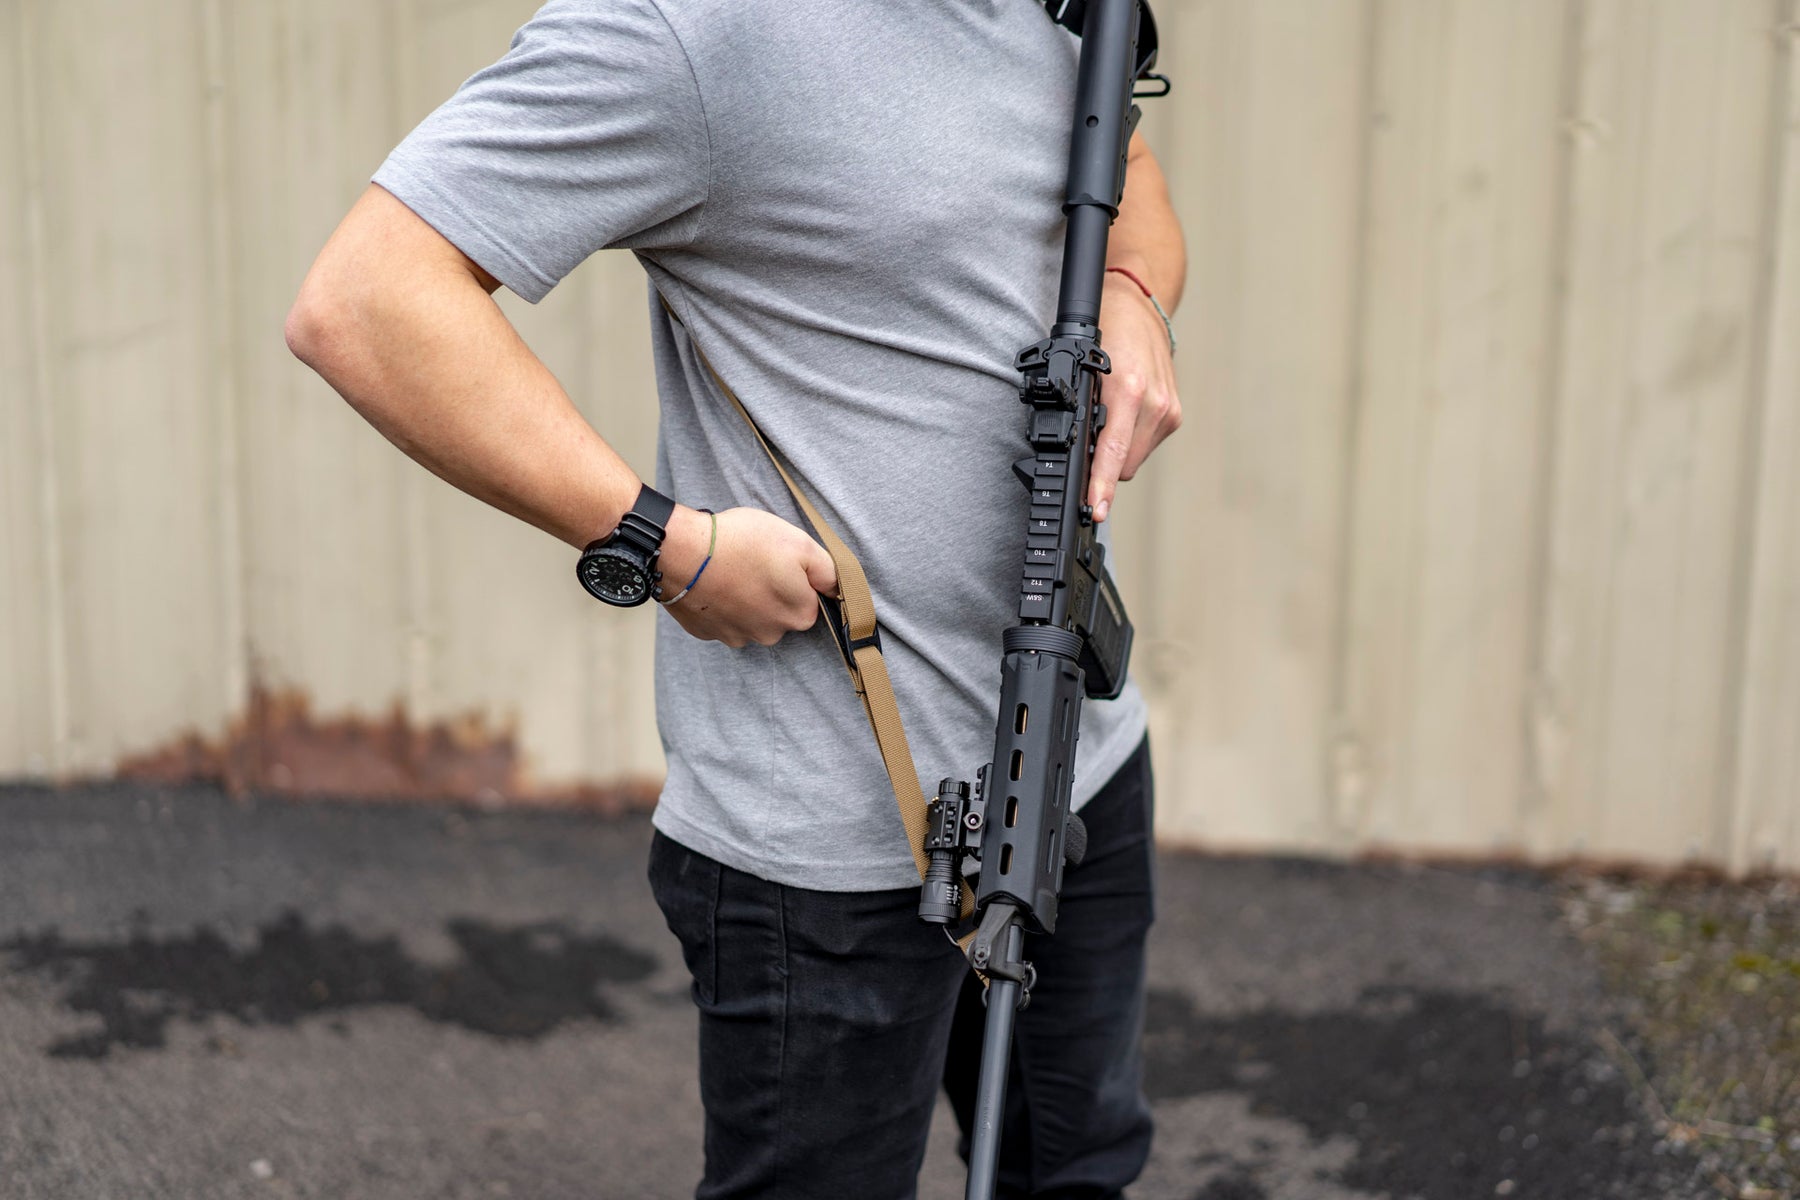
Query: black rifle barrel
{"x": 1073, "y": 638}
{"x": 1070, "y": 616}
{"x": 990, "y": 1099}
{"x": 1104, "y": 118}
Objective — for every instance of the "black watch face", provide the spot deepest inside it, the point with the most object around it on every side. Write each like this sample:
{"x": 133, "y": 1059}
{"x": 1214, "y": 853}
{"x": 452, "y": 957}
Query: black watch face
{"x": 615, "y": 578}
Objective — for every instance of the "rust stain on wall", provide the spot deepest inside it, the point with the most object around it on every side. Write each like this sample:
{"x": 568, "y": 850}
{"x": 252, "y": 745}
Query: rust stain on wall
{"x": 280, "y": 747}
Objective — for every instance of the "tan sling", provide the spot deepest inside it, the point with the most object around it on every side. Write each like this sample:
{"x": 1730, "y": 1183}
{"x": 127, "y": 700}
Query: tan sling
{"x": 855, "y": 616}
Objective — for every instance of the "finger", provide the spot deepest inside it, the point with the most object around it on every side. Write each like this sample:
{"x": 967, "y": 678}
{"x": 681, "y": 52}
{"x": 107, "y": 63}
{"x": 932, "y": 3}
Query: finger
{"x": 1109, "y": 464}
{"x": 1112, "y": 452}
{"x": 821, "y": 572}
{"x": 1157, "y": 419}
{"x": 809, "y": 616}
{"x": 796, "y": 609}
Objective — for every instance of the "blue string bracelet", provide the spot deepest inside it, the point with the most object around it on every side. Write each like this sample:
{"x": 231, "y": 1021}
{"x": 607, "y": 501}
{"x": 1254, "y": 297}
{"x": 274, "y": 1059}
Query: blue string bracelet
{"x": 710, "y": 547}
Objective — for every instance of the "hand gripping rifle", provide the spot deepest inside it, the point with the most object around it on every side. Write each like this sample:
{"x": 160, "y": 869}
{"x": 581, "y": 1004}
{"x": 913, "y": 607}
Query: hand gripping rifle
{"x": 1073, "y": 638}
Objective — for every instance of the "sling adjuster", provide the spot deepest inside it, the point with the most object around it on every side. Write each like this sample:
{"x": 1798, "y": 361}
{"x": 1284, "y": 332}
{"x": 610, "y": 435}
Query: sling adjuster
{"x": 847, "y": 645}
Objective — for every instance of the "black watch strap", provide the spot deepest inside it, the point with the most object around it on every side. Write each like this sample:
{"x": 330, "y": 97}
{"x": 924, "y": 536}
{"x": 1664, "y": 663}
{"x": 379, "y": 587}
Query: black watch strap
{"x": 647, "y": 521}
{"x": 654, "y": 507}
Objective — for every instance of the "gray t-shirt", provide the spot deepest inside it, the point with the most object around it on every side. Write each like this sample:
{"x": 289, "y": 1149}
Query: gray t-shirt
{"x": 855, "y": 209}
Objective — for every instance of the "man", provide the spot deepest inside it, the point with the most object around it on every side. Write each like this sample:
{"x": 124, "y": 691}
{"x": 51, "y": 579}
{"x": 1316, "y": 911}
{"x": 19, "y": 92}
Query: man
{"x": 853, "y": 211}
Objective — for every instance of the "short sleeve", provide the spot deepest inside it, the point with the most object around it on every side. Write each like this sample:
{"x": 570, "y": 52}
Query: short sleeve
{"x": 588, "y": 134}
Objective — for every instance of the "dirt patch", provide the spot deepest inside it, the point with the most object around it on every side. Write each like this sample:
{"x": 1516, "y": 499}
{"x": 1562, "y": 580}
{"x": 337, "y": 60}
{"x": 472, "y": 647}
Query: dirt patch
{"x": 517, "y": 982}
{"x": 1706, "y": 975}
{"x": 1448, "y": 1096}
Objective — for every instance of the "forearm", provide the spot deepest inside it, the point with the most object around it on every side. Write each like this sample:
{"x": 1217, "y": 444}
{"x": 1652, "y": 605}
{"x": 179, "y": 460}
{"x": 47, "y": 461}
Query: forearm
{"x": 1146, "y": 238}
{"x": 405, "y": 327}
{"x": 1140, "y": 393}
{"x": 405, "y": 330}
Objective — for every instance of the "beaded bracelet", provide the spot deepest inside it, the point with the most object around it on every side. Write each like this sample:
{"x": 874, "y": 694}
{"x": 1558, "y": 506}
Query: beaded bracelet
{"x": 1168, "y": 327}
{"x": 710, "y": 547}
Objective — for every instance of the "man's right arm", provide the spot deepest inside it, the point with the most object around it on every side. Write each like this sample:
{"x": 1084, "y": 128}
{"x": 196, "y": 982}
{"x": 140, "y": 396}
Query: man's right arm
{"x": 404, "y": 326}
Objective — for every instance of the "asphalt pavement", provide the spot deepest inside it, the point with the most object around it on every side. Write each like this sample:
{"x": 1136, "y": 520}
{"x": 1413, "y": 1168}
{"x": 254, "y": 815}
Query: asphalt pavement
{"x": 204, "y": 997}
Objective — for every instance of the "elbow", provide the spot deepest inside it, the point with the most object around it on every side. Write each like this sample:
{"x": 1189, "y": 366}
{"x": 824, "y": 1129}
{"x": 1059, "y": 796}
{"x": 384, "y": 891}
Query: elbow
{"x": 330, "y": 327}
{"x": 314, "y": 324}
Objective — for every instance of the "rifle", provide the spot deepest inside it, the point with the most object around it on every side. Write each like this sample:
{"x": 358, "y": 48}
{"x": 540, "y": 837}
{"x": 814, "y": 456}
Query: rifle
{"x": 1074, "y": 638}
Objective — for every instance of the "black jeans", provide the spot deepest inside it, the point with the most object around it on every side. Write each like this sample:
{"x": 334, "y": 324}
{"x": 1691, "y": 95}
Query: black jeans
{"x": 829, "y": 1019}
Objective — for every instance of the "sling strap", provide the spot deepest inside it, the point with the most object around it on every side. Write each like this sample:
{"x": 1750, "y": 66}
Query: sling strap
{"x": 851, "y": 614}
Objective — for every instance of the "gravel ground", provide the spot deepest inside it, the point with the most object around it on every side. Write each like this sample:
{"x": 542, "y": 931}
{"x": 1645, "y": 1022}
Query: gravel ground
{"x": 1706, "y": 979}
{"x": 202, "y": 997}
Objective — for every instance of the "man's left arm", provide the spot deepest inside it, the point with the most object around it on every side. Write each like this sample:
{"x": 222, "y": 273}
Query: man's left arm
{"x": 1142, "y": 407}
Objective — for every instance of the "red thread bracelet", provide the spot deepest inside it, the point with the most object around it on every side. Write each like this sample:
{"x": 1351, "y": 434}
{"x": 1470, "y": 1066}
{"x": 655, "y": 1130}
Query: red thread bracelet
{"x": 1129, "y": 275}
{"x": 1168, "y": 326}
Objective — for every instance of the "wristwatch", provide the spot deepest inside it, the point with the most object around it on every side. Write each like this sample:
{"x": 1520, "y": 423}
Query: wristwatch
{"x": 620, "y": 568}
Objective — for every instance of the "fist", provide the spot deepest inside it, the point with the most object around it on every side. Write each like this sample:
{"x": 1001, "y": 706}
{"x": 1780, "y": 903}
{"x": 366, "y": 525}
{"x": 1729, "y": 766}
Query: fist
{"x": 764, "y": 580}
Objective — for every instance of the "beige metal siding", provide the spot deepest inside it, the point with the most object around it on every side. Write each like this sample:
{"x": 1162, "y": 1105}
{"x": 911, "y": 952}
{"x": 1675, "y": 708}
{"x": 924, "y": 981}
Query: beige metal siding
{"x": 1266, "y": 154}
{"x": 1763, "y": 820}
{"x": 1482, "y": 534}
{"x": 1465, "y": 163}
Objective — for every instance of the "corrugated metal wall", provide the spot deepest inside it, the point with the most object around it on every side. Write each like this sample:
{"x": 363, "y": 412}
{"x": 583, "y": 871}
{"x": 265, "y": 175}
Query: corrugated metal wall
{"x": 1482, "y": 535}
